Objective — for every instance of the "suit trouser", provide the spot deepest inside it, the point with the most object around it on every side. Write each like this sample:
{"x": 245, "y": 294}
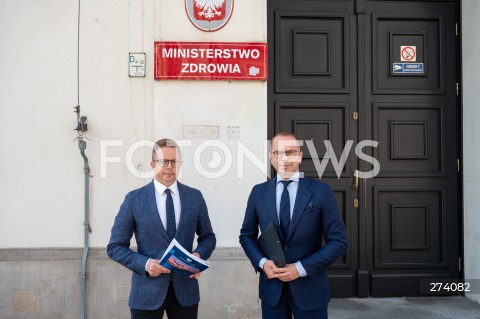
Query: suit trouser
{"x": 286, "y": 307}
{"x": 171, "y": 306}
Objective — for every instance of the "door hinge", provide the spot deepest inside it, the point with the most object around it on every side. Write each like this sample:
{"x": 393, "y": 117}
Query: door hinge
{"x": 458, "y": 88}
{"x": 458, "y": 165}
{"x": 355, "y": 203}
{"x": 355, "y": 116}
{"x": 459, "y": 264}
{"x": 456, "y": 29}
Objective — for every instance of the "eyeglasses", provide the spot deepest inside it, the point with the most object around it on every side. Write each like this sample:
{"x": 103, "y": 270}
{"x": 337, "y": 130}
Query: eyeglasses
{"x": 280, "y": 154}
{"x": 165, "y": 162}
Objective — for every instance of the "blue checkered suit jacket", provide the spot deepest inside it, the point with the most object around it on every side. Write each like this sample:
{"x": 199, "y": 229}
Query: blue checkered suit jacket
{"x": 139, "y": 215}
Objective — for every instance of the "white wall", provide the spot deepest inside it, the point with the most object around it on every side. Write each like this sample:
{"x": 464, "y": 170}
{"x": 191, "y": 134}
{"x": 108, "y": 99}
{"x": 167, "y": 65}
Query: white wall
{"x": 41, "y": 168}
{"x": 40, "y": 165}
{"x": 471, "y": 138}
{"x": 219, "y": 103}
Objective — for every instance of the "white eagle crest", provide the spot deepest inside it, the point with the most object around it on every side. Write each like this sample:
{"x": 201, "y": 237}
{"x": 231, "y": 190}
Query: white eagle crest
{"x": 209, "y": 7}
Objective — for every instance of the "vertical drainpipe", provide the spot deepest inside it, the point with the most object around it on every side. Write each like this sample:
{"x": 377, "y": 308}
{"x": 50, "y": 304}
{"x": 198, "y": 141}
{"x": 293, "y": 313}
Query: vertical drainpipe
{"x": 83, "y": 275}
{"x": 82, "y": 145}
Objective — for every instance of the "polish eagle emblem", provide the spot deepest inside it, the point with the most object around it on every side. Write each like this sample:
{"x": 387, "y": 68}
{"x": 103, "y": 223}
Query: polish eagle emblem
{"x": 209, "y": 15}
{"x": 209, "y": 9}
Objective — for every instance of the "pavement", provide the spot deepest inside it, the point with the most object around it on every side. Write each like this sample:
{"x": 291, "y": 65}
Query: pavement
{"x": 452, "y": 307}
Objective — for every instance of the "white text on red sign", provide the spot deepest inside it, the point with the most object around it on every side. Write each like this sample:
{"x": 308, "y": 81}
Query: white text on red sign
{"x": 210, "y": 61}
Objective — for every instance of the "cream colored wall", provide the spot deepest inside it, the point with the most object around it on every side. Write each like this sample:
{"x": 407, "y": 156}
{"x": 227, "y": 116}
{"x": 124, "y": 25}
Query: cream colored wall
{"x": 42, "y": 182}
{"x": 216, "y": 103}
{"x": 41, "y": 169}
{"x": 471, "y": 141}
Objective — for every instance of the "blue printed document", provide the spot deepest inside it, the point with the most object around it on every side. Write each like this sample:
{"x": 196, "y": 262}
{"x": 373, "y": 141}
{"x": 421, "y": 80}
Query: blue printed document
{"x": 178, "y": 259}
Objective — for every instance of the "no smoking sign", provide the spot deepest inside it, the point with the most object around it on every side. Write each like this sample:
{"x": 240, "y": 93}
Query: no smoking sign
{"x": 408, "y": 53}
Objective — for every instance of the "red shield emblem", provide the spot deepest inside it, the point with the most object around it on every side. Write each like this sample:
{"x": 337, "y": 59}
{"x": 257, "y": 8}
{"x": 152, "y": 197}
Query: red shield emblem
{"x": 209, "y": 15}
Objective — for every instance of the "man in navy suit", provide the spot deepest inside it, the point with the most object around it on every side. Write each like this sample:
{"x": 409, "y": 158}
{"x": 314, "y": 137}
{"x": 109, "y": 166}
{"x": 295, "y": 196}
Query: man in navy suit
{"x": 304, "y": 212}
{"x": 156, "y": 213}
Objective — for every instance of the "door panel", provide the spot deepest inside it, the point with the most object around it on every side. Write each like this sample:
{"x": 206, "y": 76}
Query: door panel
{"x": 412, "y": 215}
{"x": 333, "y": 60}
{"x": 410, "y": 139}
{"x": 312, "y": 55}
{"x": 317, "y": 122}
{"x": 423, "y": 30}
{"x": 408, "y": 222}
{"x": 312, "y": 93}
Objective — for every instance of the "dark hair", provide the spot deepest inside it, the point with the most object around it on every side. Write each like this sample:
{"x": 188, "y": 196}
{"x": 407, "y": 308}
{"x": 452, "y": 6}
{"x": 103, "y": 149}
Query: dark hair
{"x": 164, "y": 142}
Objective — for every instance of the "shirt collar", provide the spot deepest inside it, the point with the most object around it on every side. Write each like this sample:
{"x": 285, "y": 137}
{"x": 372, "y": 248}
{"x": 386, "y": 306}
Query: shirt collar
{"x": 295, "y": 178}
{"x": 160, "y": 188}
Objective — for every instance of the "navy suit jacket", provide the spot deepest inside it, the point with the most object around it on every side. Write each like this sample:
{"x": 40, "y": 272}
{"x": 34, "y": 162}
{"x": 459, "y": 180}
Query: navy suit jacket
{"x": 315, "y": 216}
{"x": 139, "y": 215}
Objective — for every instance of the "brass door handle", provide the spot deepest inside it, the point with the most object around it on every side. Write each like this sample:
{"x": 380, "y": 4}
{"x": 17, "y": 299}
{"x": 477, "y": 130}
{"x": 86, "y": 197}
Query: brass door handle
{"x": 355, "y": 185}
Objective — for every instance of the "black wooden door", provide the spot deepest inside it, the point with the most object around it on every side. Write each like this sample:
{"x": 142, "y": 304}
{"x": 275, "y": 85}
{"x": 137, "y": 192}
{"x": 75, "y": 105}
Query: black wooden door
{"x": 347, "y": 72}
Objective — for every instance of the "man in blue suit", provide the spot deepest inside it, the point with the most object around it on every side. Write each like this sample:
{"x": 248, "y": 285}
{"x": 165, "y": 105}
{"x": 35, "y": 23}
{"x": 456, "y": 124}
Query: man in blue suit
{"x": 156, "y": 213}
{"x": 304, "y": 212}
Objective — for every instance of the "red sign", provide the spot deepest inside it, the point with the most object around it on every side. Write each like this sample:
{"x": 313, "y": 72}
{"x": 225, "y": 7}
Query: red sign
{"x": 210, "y": 61}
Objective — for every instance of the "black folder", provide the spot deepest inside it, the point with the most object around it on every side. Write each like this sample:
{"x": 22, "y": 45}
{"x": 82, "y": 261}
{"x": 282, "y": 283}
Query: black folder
{"x": 271, "y": 246}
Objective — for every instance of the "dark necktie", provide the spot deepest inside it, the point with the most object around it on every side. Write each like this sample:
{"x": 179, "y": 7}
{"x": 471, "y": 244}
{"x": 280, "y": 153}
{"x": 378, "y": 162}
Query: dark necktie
{"x": 285, "y": 209}
{"x": 171, "y": 226}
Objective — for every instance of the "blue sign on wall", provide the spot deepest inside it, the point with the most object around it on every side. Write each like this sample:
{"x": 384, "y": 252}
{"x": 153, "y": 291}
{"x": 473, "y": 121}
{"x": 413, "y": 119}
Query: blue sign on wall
{"x": 408, "y": 68}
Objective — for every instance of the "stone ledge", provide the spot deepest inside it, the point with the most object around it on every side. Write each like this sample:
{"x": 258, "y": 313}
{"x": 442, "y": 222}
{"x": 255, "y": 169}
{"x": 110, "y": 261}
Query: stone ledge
{"x": 50, "y": 254}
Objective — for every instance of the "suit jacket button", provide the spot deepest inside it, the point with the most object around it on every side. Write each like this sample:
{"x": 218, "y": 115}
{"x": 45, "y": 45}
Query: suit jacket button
{"x": 285, "y": 247}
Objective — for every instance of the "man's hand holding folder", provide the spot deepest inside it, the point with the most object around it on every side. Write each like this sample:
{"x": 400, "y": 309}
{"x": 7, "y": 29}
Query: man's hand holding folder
{"x": 276, "y": 267}
{"x": 270, "y": 244}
